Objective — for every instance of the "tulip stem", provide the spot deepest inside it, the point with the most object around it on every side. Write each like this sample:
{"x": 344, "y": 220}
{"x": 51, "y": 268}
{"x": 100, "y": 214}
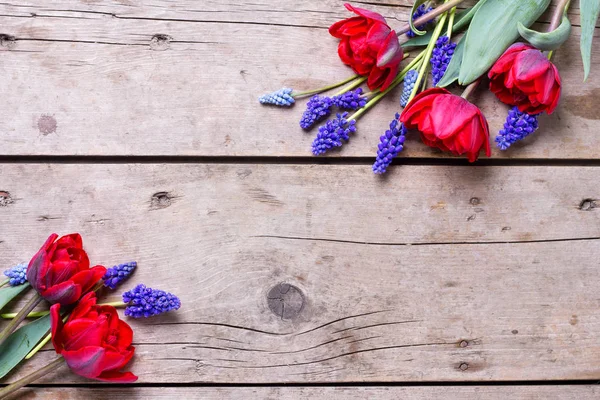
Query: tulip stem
{"x": 429, "y": 16}
{"x": 561, "y": 9}
{"x": 33, "y": 314}
{"x": 326, "y": 88}
{"x": 4, "y": 282}
{"x": 470, "y": 89}
{"x": 10, "y": 328}
{"x": 31, "y": 377}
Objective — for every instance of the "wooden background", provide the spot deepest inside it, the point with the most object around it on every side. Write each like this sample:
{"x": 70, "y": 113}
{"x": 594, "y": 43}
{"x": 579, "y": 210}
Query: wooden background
{"x": 136, "y": 124}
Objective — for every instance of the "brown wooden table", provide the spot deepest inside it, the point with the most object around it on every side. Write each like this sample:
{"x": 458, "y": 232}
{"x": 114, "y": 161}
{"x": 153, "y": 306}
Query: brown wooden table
{"x": 136, "y": 123}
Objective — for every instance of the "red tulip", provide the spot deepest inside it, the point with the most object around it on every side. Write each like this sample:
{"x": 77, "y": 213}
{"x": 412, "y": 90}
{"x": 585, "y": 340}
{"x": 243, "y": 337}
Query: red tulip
{"x": 448, "y": 122}
{"x": 524, "y": 77}
{"x": 60, "y": 271}
{"x": 94, "y": 342}
{"x": 369, "y": 46}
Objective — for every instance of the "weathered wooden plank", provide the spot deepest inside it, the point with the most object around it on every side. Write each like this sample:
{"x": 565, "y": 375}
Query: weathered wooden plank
{"x": 309, "y": 393}
{"x": 435, "y": 274}
{"x": 91, "y": 79}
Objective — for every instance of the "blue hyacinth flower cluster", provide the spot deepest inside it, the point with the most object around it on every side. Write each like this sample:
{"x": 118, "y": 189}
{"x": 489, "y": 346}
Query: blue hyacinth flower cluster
{"x": 145, "y": 302}
{"x": 17, "y": 275}
{"x": 317, "y": 108}
{"x": 351, "y": 100}
{"x": 518, "y": 125}
{"x": 116, "y": 275}
{"x": 332, "y": 133}
{"x": 282, "y": 98}
{"x": 409, "y": 84}
{"x": 421, "y": 10}
{"x": 391, "y": 143}
{"x": 442, "y": 54}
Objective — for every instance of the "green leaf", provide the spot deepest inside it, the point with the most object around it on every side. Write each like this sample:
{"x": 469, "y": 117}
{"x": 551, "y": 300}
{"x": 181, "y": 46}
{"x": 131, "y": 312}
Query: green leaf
{"x": 462, "y": 19}
{"x": 10, "y": 292}
{"x": 410, "y": 19}
{"x": 590, "y": 9}
{"x": 21, "y": 342}
{"x": 547, "y": 40}
{"x": 451, "y": 74}
{"x": 495, "y": 27}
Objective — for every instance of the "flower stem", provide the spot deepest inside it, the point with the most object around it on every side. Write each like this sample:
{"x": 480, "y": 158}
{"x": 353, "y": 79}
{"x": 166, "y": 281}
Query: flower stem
{"x": 118, "y": 304}
{"x": 470, "y": 89}
{"x": 451, "y": 23}
{"x": 395, "y": 83}
{"x": 561, "y": 9}
{"x": 351, "y": 86}
{"x": 10, "y": 328}
{"x": 325, "y": 88}
{"x": 43, "y": 342}
{"x": 430, "y": 16}
{"x": 33, "y": 314}
{"x": 31, "y": 377}
{"x": 4, "y": 282}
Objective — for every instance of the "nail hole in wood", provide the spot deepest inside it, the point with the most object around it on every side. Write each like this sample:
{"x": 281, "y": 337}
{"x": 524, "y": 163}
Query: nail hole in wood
{"x": 475, "y": 201}
{"x": 463, "y": 366}
{"x": 588, "y": 204}
{"x": 286, "y": 301}
{"x": 463, "y": 343}
{"x": 161, "y": 200}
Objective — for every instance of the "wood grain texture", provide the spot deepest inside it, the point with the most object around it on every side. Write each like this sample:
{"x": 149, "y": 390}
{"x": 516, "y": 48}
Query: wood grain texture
{"x": 310, "y": 393}
{"x": 436, "y": 274}
{"x": 182, "y": 78}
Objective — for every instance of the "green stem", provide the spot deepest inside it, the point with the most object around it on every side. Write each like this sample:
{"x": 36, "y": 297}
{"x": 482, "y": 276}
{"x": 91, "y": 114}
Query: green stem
{"x": 31, "y": 377}
{"x": 561, "y": 9}
{"x": 351, "y": 86}
{"x": 118, "y": 304}
{"x": 10, "y": 328}
{"x": 451, "y": 23}
{"x": 427, "y": 57}
{"x": 4, "y": 282}
{"x": 470, "y": 89}
{"x": 430, "y": 16}
{"x": 39, "y": 346}
{"x": 396, "y": 81}
{"x": 325, "y": 88}
{"x": 33, "y": 314}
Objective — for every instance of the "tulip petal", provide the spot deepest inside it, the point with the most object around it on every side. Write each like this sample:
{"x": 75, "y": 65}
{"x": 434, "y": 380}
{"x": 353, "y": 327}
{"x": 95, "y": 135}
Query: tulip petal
{"x": 56, "y": 327}
{"x": 115, "y": 376}
{"x": 391, "y": 53}
{"x": 366, "y": 13}
{"x": 86, "y": 361}
{"x": 84, "y": 306}
{"x": 63, "y": 293}
{"x": 39, "y": 263}
{"x": 88, "y": 278}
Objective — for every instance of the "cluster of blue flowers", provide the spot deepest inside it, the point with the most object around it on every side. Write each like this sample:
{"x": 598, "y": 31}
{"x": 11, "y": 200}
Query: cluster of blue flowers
{"x": 282, "y": 97}
{"x": 391, "y": 143}
{"x": 518, "y": 125}
{"x": 409, "y": 83}
{"x": 332, "y": 133}
{"x": 319, "y": 107}
{"x": 145, "y": 302}
{"x": 116, "y": 275}
{"x": 421, "y": 10}
{"x": 442, "y": 54}
{"x": 17, "y": 275}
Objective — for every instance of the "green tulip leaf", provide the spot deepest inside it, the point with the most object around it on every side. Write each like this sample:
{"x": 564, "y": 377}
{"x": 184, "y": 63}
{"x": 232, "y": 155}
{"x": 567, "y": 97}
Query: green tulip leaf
{"x": 547, "y": 40}
{"x": 590, "y": 9}
{"x": 410, "y": 18}
{"x": 462, "y": 19}
{"x": 495, "y": 27}
{"x": 21, "y": 342}
{"x": 10, "y": 292}
{"x": 453, "y": 69}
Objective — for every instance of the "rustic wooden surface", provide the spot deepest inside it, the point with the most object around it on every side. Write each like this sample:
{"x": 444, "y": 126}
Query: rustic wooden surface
{"x": 435, "y": 273}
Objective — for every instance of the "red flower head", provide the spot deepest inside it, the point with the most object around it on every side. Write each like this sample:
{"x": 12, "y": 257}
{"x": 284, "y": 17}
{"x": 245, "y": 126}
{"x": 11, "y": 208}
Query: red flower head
{"x": 524, "y": 77}
{"x": 60, "y": 271}
{"x": 369, "y": 46}
{"x": 448, "y": 122}
{"x": 94, "y": 342}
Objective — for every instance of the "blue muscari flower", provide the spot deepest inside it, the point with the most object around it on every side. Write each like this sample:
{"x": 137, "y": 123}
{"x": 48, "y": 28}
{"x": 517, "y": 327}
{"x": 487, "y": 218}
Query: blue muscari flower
{"x": 145, "y": 302}
{"x": 117, "y": 274}
{"x": 280, "y": 98}
{"x": 442, "y": 54}
{"x": 17, "y": 274}
{"x": 331, "y": 134}
{"x": 421, "y": 10}
{"x": 518, "y": 125}
{"x": 409, "y": 83}
{"x": 351, "y": 100}
{"x": 391, "y": 143}
{"x": 317, "y": 108}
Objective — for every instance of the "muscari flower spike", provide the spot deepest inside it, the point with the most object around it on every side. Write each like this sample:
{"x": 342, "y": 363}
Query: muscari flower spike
{"x": 145, "y": 302}
{"x": 518, "y": 125}
{"x": 409, "y": 83}
{"x": 351, "y": 100}
{"x": 331, "y": 134}
{"x": 442, "y": 54}
{"x": 116, "y": 275}
{"x": 391, "y": 143}
{"x": 421, "y": 10}
{"x": 317, "y": 108}
{"x": 281, "y": 98}
{"x": 17, "y": 275}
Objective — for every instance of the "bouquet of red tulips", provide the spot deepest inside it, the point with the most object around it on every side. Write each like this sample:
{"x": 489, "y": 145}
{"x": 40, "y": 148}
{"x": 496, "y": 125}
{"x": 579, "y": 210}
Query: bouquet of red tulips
{"x": 89, "y": 337}
{"x": 490, "y": 41}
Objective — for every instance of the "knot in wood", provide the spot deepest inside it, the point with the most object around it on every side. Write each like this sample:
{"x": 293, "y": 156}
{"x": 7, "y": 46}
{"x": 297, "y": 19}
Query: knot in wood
{"x": 463, "y": 366}
{"x": 5, "y": 199}
{"x": 7, "y": 41}
{"x": 160, "y": 42}
{"x": 587, "y": 204}
{"x": 160, "y": 200}
{"x": 286, "y": 301}
{"x": 475, "y": 201}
